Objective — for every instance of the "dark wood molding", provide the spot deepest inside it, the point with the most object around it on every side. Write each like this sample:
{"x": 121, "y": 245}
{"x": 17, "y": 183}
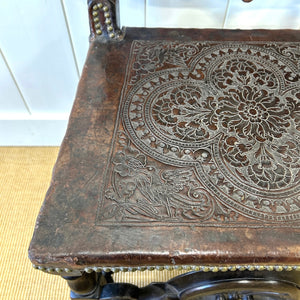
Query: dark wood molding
{"x": 195, "y": 285}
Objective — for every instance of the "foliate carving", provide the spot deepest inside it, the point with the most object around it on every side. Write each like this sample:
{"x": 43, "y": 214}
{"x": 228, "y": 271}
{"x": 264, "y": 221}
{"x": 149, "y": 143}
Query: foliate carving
{"x": 154, "y": 56}
{"x": 222, "y": 119}
{"x": 141, "y": 191}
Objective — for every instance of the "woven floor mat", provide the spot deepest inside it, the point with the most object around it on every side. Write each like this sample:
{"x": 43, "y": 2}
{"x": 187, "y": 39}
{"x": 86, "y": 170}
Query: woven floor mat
{"x": 24, "y": 178}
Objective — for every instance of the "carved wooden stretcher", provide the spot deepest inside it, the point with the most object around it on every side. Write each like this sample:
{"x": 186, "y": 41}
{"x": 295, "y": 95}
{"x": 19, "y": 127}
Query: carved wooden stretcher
{"x": 182, "y": 151}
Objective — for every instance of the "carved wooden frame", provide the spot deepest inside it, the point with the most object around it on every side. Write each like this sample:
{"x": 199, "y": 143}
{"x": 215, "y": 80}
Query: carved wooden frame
{"x": 241, "y": 285}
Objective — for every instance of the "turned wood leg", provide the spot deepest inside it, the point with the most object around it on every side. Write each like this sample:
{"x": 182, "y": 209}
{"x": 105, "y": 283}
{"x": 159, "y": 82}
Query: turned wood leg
{"x": 88, "y": 285}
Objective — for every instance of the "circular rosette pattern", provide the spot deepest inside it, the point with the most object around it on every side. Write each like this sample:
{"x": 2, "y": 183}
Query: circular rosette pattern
{"x": 253, "y": 114}
{"x": 258, "y": 143}
{"x": 237, "y": 125}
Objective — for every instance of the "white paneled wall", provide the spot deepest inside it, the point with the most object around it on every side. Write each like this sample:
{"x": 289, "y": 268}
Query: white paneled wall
{"x": 11, "y": 100}
{"x": 43, "y": 46}
{"x": 190, "y": 13}
{"x": 273, "y": 14}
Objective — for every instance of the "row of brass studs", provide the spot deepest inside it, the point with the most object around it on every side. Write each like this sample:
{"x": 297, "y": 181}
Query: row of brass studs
{"x": 108, "y": 20}
{"x": 187, "y": 268}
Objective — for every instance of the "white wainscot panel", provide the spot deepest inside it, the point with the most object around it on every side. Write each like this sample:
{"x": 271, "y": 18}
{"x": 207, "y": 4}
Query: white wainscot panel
{"x": 269, "y": 14}
{"x": 78, "y": 22}
{"x": 20, "y": 130}
{"x": 132, "y": 13}
{"x": 189, "y": 13}
{"x": 10, "y": 98}
{"x": 35, "y": 41}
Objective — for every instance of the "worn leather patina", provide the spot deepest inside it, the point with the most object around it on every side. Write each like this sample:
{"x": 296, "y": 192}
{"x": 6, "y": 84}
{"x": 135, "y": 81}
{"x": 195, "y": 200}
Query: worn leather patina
{"x": 182, "y": 149}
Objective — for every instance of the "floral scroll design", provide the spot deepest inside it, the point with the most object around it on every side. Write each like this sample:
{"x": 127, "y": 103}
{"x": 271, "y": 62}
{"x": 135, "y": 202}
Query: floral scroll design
{"x": 140, "y": 191}
{"x": 258, "y": 123}
{"x": 237, "y": 104}
{"x": 153, "y": 56}
{"x": 186, "y": 113}
{"x": 255, "y": 129}
{"x": 258, "y": 140}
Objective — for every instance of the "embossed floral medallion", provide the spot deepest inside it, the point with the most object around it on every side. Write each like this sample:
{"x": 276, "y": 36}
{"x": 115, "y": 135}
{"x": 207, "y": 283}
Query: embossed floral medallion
{"x": 208, "y": 134}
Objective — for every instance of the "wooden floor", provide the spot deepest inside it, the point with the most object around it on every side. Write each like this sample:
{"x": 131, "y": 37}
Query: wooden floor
{"x": 25, "y": 173}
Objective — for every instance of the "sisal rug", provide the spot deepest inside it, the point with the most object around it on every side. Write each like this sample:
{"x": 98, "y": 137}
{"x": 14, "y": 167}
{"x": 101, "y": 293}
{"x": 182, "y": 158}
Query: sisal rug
{"x": 25, "y": 174}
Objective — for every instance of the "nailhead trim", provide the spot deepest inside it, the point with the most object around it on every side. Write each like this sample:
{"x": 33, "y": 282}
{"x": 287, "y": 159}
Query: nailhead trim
{"x": 278, "y": 268}
{"x": 108, "y": 21}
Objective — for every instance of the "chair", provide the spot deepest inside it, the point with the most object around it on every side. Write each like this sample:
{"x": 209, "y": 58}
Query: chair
{"x": 182, "y": 152}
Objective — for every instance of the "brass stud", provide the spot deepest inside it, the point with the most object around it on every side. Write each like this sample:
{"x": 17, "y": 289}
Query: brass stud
{"x": 95, "y": 13}
{"x": 251, "y": 268}
{"x": 96, "y": 20}
{"x": 107, "y": 15}
{"x": 50, "y": 270}
{"x": 106, "y": 270}
{"x": 279, "y": 268}
{"x": 124, "y": 269}
{"x": 88, "y": 270}
{"x": 100, "y": 5}
{"x": 110, "y": 28}
{"x": 97, "y": 269}
{"x": 133, "y": 269}
{"x": 67, "y": 270}
{"x": 97, "y": 25}
{"x": 95, "y": 7}
{"x": 105, "y": 8}
{"x": 112, "y": 35}
{"x": 58, "y": 270}
{"x": 98, "y": 32}
{"x": 108, "y": 21}
{"x": 260, "y": 268}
